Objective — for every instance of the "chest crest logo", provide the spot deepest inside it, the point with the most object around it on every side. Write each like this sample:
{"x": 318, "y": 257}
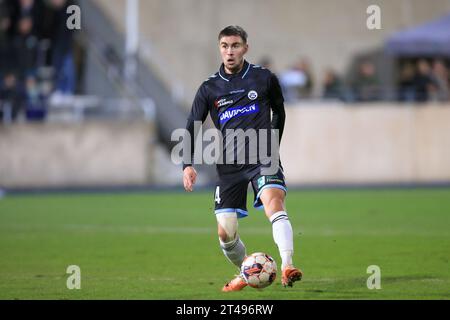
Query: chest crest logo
{"x": 253, "y": 95}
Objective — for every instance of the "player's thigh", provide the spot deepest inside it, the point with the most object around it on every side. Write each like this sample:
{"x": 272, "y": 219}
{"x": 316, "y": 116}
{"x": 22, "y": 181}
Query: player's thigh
{"x": 272, "y": 194}
{"x": 273, "y": 200}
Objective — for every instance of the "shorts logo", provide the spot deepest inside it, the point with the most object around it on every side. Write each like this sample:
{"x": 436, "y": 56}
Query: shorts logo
{"x": 274, "y": 179}
{"x": 269, "y": 180}
{"x": 253, "y": 95}
{"x": 261, "y": 181}
{"x": 237, "y": 112}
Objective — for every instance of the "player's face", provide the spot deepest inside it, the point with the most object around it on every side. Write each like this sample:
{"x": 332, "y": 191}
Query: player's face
{"x": 232, "y": 50}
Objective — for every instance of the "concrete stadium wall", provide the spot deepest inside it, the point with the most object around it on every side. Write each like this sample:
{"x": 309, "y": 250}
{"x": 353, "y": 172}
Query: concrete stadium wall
{"x": 329, "y": 32}
{"x": 379, "y": 143}
{"x": 85, "y": 154}
{"x": 322, "y": 144}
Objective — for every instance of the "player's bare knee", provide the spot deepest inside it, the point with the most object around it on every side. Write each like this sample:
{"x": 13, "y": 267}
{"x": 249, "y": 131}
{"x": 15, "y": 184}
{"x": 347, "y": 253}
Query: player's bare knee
{"x": 223, "y": 235}
{"x": 227, "y": 226}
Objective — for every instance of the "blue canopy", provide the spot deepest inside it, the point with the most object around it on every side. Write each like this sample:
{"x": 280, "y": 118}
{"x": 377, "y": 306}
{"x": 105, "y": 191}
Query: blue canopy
{"x": 429, "y": 39}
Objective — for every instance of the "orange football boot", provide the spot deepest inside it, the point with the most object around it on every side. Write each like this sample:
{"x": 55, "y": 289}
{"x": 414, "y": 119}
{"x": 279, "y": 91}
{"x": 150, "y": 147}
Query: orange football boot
{"x": 289, "y": 275}
{"x": 237, "y": 284}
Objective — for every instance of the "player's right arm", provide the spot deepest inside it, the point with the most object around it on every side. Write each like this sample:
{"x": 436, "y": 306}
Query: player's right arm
{"x": 199, "y": 112}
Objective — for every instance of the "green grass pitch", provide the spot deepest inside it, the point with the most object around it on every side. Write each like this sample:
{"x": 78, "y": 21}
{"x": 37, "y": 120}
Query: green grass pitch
{"x": 164, "y": 245}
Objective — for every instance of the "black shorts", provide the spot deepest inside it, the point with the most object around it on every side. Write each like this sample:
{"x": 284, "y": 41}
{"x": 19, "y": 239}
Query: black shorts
{"x": 230, "y": 194}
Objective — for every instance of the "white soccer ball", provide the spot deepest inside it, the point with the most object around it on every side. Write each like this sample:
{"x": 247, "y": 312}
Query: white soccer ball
{"x": 259, "y": 270}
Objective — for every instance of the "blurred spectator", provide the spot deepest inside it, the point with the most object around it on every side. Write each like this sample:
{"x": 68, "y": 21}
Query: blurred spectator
{"x": 11, "y": 97}
{"x": 26, "y": 8}
{"x": 423, "y": 82}
{"x": 5, "y": 26}
{"x": 406, "y": 89}
{"x": 25, "y": 46}
{"x": 114, "y": 62}
{"x": 5, "y": 17}
{"x": 33, "y": 37}
{"x": 367, "y": 85}
{"x": 296, "y": 82}
{"x": 62, "y": 47}
{"x": 332, "y": 87}
{"x": 34, "y": 100}
{"x": 291, "y": 81}
{"x": 440, "y": 78}
{"x": 266, "y": 62}
{"x": 305, "y": 67}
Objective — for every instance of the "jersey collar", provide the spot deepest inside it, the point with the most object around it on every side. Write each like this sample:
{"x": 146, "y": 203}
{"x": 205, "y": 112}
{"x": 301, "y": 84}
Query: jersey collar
{"x": 241, "y": 74}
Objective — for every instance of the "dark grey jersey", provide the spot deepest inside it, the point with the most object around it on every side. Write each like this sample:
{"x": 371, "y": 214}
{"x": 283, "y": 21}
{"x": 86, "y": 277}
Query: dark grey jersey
{"x": 250, "y": 99}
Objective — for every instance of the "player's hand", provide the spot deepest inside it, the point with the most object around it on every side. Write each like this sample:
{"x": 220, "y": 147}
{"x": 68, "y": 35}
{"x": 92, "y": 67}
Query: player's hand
{"x": 189, "y": 178}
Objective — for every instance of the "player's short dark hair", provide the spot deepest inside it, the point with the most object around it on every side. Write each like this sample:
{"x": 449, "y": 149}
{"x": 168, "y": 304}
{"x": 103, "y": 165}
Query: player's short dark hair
{"x": 233, "y": 31}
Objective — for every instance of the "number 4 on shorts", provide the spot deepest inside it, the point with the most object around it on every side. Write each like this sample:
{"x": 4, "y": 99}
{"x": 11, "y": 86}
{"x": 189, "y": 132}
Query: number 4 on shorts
{"x": 217, "y": 196}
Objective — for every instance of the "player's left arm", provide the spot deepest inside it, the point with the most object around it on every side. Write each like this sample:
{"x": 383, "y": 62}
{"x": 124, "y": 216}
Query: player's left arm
{"x": 277, "y": 105}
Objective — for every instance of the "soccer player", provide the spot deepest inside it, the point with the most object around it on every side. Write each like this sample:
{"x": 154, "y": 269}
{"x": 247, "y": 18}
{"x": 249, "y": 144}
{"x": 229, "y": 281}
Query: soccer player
{"x": 243, "y": 96}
